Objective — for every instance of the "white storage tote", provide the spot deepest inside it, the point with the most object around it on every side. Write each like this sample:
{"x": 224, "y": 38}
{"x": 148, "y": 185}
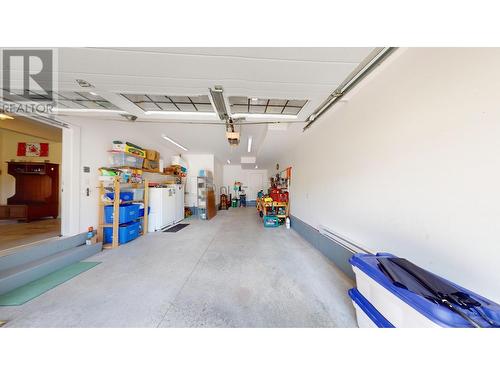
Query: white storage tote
{"x": 404, "y": 308}
{"x": 367, "y": 315}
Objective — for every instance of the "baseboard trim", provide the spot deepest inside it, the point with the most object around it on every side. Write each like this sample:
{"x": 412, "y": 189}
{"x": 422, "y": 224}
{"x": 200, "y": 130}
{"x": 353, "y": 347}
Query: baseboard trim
{"x": 333, "y": 251}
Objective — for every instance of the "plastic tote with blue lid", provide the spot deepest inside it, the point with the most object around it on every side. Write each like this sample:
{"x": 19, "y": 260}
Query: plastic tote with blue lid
{"x": 367, "y": 315}
{"x": 406, "y": 308}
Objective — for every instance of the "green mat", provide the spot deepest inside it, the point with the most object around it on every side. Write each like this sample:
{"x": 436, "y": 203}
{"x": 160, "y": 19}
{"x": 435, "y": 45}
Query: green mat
{"x": 35, "y": 288}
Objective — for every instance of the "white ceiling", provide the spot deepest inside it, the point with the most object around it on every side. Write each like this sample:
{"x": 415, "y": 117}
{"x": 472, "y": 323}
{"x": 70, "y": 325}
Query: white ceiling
{"x": 277, "y": 73}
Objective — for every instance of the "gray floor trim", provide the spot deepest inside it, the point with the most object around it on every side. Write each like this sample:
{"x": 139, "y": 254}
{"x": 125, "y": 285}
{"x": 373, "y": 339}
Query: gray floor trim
{"x": 330, "y": 249}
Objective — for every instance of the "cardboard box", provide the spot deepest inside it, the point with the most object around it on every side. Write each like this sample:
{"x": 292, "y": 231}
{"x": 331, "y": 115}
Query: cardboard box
{"x": 152, "y": 155}
{"x": 135, "y": 151}
{"x": 151, "y": 165}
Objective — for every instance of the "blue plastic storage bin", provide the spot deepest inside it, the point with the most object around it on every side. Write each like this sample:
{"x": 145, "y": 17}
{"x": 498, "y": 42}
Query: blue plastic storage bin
{"x": 271, "y": 221}
{"x": 126, "y": 232}
{"x": 366, "y": 267}
{"x": 128, "y": 212}
{"x": 124, "y": 195}
{"x": 371, "y": 312}
{"x": 141, "y": 211}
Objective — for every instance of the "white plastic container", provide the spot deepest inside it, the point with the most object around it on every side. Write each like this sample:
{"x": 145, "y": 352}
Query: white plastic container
{"x": 363, "y": 320}
{"x": 366, "y": 315}
{"x": 404, "y": 308}
{"x": 123, "y": 159}
{"x": 399, "y": 313}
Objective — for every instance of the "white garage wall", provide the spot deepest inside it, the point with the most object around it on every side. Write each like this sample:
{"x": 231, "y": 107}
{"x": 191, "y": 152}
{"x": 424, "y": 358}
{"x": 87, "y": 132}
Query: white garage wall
{"x": 95, "y": 140}
{"x": 410, "y": 164}
{"x": 234, "y": 173}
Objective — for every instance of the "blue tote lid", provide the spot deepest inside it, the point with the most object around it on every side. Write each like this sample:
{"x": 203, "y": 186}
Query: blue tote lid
{"x": 439, "y": 314}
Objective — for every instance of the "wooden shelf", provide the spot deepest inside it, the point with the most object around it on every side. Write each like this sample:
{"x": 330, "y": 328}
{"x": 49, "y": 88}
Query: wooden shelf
{"x": 264, "y": 206}
{"x": 111, "y": 203}
{"x": 117, "y": 186}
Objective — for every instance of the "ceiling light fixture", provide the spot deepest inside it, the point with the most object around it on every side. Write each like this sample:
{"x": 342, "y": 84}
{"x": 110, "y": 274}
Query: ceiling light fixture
{"x": 265, "y": 116}
{"x": 256, "y": 167}
{"x": 174, "y": 142}
{"x": 83, "y": 83}
{"x": 93, "y": 93}
{"x": 228, "y": 161}
{"x": 219, "y": 102}
{"x": 88, "y": 110}
{"x": 204, "y": 115}
{"x": 249, "y": 148}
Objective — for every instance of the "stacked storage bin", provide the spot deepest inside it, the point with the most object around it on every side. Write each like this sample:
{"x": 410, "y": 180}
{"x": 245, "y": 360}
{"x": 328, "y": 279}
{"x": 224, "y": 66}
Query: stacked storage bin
{"x": 379, "y": 302}
{"x": 129, "y": 220}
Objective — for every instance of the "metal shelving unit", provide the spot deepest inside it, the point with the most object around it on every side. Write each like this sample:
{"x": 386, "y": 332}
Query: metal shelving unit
{"x": 205, "y": 186}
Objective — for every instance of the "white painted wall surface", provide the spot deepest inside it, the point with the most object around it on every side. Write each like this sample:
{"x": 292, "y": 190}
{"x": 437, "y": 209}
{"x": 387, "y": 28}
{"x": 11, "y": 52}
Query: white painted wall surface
{"x": 95, "y": 140}
{"x": 410, "y": 164}
{"x": 234, "y": 173}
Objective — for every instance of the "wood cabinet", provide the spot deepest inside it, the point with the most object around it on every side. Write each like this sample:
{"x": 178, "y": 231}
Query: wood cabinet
{"x": 37, "y": 190}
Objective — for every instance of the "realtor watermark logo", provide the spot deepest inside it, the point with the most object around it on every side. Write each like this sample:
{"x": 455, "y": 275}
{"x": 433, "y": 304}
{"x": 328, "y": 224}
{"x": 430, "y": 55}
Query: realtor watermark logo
{"x": 29, "y": 80}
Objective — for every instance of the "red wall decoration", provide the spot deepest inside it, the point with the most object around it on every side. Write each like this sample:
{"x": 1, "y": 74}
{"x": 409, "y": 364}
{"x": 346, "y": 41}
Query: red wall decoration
{"x": 32, "y": 149}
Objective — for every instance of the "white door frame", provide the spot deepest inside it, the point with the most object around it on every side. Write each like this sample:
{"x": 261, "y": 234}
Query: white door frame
{"x": 70, "y": 184}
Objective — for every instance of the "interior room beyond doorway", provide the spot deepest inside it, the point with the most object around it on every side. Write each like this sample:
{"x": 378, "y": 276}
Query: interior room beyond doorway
{"x": 30, "y": 168}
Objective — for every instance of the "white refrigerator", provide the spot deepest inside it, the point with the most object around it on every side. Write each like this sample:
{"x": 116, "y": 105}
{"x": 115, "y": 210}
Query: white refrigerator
{"x": 179, "y": 203}
{"x": 167, "y": 207}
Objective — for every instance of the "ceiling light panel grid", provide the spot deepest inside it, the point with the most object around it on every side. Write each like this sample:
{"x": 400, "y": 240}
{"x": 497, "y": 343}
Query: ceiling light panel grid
{"x": 83, "y": 100}
{"x": 170, "y": 103}
{"x": 242, "y": 104}
{"x": 73, "y": 100}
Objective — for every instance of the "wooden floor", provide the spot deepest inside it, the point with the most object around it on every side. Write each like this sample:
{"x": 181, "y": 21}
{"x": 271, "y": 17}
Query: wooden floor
{"x": 13, "y": 233}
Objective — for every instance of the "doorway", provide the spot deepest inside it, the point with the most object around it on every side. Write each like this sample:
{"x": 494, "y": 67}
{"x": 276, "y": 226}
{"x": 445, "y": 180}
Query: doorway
{"x": 255, "y": 184}
{"x": 30, "y": 183}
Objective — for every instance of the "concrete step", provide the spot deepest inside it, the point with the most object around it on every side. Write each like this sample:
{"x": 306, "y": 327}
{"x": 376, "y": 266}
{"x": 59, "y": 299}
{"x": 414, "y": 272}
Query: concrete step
{"x": 22, "y": 274}
{"x": 32, "y": 252}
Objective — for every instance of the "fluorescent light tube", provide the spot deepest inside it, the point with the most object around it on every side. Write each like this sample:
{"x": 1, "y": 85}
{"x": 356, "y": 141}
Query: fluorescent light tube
{"x": 174, "y": 142}
{"x": 249, "y": 144}
{"x": 87, "y": 110}
{"x": 264, "y": 116}
{"x": 205, "y": 115}
{"x": 218, "y": 101}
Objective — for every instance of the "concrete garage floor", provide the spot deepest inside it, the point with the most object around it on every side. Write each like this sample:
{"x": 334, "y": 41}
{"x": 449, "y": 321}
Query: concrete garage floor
{"x": 226, "y": 272}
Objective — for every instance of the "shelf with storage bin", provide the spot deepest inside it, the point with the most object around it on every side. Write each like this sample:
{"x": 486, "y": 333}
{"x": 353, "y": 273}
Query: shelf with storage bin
{"x": 118, "y": 208}
{"x": 263, "y": 207}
